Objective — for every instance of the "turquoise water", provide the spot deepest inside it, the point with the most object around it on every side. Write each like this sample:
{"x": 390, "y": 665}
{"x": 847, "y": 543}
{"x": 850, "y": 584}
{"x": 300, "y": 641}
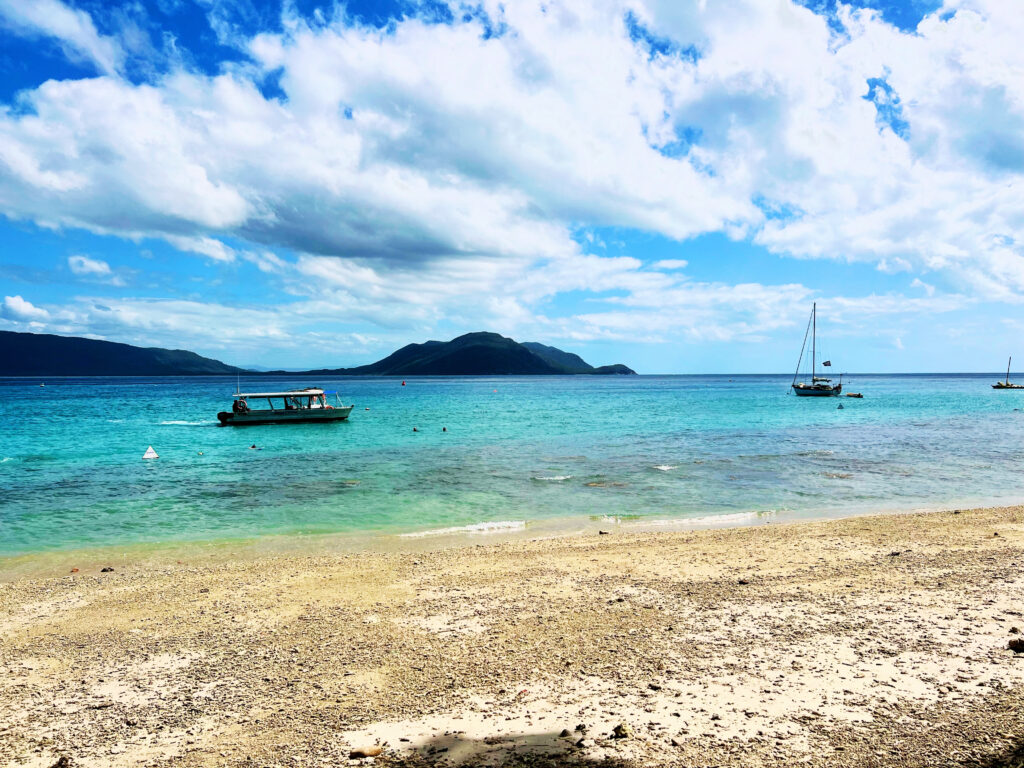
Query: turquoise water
{"x": 517, "y": 450}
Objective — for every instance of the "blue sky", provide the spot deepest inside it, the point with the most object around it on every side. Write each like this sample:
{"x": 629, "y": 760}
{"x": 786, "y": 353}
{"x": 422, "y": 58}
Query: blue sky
{"x": 657, "y": 183}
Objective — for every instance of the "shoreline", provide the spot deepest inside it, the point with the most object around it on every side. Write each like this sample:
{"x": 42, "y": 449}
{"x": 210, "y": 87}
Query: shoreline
{"x": 55, "y": 562}
{"x": 871, "y": 640}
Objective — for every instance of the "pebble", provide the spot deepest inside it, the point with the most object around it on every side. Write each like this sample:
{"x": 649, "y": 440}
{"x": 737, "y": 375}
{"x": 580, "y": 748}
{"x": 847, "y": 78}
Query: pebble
{"x": 622, "y": 731}
{"x": 365, "y": 752}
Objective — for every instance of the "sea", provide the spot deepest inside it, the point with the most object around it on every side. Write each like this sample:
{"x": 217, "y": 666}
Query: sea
{"x": 475, "y": 456}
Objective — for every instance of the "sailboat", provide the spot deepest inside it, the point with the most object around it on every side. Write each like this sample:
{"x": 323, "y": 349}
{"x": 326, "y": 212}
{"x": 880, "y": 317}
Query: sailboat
{"x": 819, "y": 386}
{"x": 1006, "y": 384}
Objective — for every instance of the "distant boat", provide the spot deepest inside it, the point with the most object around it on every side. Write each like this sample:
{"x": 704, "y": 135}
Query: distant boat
{"x": 854, "y": 394}
{"x": 295, "y": 407}
{"x": 1006, "y": 384}
{"x": 818, "y": 386}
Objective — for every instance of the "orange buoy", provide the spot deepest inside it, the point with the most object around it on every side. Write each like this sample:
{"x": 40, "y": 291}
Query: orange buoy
{"x": 403, "y": 383}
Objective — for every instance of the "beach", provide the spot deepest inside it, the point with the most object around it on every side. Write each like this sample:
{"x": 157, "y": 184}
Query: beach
{"x": 864, "y": 641}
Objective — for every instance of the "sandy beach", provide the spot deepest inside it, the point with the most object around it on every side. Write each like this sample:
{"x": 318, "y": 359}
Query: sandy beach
{"x": 869, "y": 641}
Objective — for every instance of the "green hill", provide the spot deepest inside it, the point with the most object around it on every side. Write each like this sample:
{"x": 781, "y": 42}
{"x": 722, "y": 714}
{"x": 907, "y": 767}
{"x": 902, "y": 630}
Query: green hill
{"x": 477, "y": 354}
{"x": 43, "y": 354}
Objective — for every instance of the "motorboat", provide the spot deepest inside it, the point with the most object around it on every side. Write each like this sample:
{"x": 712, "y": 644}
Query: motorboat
{"x": 299, "y": 406}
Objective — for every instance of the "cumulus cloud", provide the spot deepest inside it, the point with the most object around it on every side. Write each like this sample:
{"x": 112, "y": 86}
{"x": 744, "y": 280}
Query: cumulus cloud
{"x": 433, "y": 170}
{"x": 18, "y": 309}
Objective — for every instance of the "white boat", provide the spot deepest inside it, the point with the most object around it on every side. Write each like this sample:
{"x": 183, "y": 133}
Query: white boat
{"x": 300, "y": 406}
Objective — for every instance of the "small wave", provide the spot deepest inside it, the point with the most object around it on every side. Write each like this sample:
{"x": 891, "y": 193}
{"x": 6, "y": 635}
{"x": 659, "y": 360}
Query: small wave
{"x": 553, "y": 478}
{"x": 6, "y": 459}
{"x": 665, "y": 467}
{"x": 730, "y": 519}
{"x": 492, "y": 527}
{"x": 614, "y": 518}
{"x": 185, "y": 423}
{"x": 838, "y": 475}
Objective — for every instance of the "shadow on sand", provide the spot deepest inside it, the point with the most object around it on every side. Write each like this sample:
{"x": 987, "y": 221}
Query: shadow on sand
{"x": 541, "y": 750}
{"x": 1012, "y": 757}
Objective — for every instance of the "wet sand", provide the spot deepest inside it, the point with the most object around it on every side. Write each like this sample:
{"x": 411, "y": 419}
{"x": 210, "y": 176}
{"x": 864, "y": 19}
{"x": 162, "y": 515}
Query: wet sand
{"x": 863, "y": 642}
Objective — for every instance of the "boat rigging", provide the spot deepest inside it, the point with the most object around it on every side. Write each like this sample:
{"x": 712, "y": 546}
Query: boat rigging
{"x": 1006, "y": 384}
{"x": 819, "y": 386}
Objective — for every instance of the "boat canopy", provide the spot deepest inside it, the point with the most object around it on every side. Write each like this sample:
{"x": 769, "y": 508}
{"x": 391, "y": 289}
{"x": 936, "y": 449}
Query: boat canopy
{"x": 294, "y": 393}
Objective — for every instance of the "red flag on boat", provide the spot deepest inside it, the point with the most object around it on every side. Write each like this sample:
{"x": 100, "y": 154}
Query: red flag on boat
{"x": 827, "y": 364}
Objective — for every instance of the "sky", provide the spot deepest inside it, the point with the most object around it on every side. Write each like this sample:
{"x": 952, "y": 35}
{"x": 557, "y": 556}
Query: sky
{"x": 669, "y": 185}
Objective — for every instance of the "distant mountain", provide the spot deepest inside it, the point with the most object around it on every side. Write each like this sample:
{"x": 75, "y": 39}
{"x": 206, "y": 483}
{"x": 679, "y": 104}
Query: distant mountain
{"x": 566, "y": 361}
{"x": 477, "y": 354}
{"x": 42, "y": 354}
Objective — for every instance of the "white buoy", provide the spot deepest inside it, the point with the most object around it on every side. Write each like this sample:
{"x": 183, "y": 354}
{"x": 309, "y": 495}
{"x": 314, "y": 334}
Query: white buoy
{"x": 150, "y": 453}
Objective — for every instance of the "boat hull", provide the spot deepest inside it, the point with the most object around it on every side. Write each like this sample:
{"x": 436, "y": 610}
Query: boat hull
{"x": 807, "y": 391}
{"x": 300, "y": 416}
{"x": 1001, "y": 385}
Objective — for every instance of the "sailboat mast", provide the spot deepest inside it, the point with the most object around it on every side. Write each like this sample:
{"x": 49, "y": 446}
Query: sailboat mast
{"x": 803, "y": 348}
{"x": 1008, "y": 369}
{"x": 814, "y": 337}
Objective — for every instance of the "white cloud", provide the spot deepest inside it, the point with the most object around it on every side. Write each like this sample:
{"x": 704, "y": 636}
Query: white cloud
{"x": 927, "y": 288}
{"x": 73, "y": 28}
{"x": 405, "y": 194}
{"x": 204, "y": 246}
{"x": 266, "y": 261}
{"x": 94, "y": 270}
{"x": 83, "y": 265}
{"x": 19, "y": 309}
